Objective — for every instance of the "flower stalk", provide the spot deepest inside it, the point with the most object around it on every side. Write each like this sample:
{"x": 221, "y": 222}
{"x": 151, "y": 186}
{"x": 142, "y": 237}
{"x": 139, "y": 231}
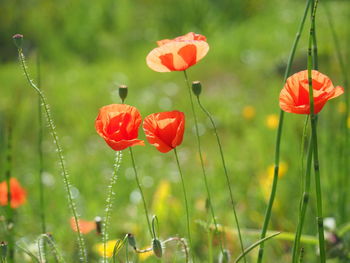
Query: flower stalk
{"x": 65, "y": 175}
{"x": 313, "y": 119}
{"x": 109, "y": 202}
{"x": 279, "y": 135}
{"x": 206, "y": 112}
{"x": 202, "y": 162}
{"x": 141, "y": 192}
{"x": 186, "y": 202}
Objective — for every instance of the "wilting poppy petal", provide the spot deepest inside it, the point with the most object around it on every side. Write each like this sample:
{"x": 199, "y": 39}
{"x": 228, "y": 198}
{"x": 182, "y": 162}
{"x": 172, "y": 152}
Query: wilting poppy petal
{"x": 294, "y": 96}
{"x": 18, "y": 193}
{"x": 84, "y": 226}
{"x": 165, "y": 130}
{"x": 118, "y": 125}
{"x": 178, "y": 54}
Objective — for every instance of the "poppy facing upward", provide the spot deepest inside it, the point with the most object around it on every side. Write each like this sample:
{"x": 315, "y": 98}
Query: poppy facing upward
{"x": 294, "y": 96}
{"x": 178, "y": 54}
{"x": 118, "y": 125}
{"x": 165, "y": 130}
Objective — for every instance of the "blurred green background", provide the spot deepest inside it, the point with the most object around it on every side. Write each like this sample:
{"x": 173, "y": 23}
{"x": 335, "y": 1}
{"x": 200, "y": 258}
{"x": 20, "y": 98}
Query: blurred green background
{"x": 87, "y": 48}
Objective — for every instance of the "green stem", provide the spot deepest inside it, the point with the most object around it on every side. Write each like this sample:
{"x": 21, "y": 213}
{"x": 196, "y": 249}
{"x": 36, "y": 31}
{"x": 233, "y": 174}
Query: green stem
{"x": 40, "y": 154}
{"x": 65, "y": 176}
{"x": 41, "y": 158}
{"x": 226, "y": 173}
{"x": 201, "y": 160}
{"x": 345, "y": 182}
{"x": 10, "y": 212}
{"x": 109, "y": 202}
{"x": 303, "y": 204}
{"x": 186, "y": 203}
{"x": 278, "y": 138}
{"x": 315, "y": 146}
{"x": 141, "y": 192}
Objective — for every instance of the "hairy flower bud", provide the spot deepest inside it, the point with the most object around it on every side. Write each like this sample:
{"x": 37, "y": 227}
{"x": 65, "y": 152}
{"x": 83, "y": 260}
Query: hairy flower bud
{"x": 132, "y": 240}
{"x": 157, "y": 248}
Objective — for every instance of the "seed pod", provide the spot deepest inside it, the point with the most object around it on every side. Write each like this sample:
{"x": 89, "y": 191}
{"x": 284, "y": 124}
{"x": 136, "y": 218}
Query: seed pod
{"x": 196, "y": 88}
{"x": 157, "y": 248}
{"x": 98, "y": 221}
{"x": 123, "y": 92}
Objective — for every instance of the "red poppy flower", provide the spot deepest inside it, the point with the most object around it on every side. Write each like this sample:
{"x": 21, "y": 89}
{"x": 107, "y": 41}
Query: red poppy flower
{"x": 165, "y": 130}
{"x": 18, "y": 194}
{"x": 118, "y": 125}
{"x": 178, "y": 54}
{"x": 84, "y": 226}
{"x": 294, "y": 96}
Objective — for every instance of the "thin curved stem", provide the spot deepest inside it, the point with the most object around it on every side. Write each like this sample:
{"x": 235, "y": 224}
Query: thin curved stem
{"x": 109, "y": 202}
{"x": 141, "y": 192}
{"x": 278, "y": 137}
{"x": 226, "y": 173}
{"x": 186, "y": 203}
{"x": 201, "y": 160}
{"x": 65, "y": 176}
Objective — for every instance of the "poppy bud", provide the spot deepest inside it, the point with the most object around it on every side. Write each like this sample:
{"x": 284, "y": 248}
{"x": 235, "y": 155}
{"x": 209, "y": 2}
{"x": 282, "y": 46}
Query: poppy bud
{"x": 18, "y": 39}
{"x": 123, "y": 92}
{"x": 157, "y": 248}
{"x": 132, "y": 240}
{"x": 225, "y": 256}
{"x": 196, "y": 87}
{"x": 98, "y": 221}
{"x": 3, "y": 250}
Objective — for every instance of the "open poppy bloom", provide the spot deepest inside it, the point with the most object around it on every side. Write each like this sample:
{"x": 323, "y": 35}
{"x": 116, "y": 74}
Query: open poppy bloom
{"x": 118, "y": 125}
{"x": 178, "y": 54}
{"x": 18, "y": 194}
{"x": 165, "y": 130}
{"x": 294, "y": 96}
{"x": 84, "y": 225}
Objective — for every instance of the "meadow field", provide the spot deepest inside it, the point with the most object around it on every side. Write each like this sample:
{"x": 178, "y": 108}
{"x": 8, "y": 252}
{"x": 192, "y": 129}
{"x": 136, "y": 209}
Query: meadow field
{"x": 80, "y": 52}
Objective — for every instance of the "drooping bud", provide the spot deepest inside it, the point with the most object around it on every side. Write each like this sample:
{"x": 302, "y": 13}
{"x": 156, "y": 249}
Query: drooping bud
{"x": 3, "y": 250}
{"x": 157, "y": 247}
{"x": 123, "y": 92}
{"x": 225, "y": 256}
{"x": 18, "y": 39}
{"x": 98, "y": 221}
{"x": 196, "y": 87}
{"x": 132, "y": 240}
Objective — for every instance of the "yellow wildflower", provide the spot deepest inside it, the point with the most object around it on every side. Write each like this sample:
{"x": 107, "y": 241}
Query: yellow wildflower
{"x": 341, "y": 107}
{"x": 248, "y": 112}
{"x": 109, "y": 248}
{"x": 272, "y": 121}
